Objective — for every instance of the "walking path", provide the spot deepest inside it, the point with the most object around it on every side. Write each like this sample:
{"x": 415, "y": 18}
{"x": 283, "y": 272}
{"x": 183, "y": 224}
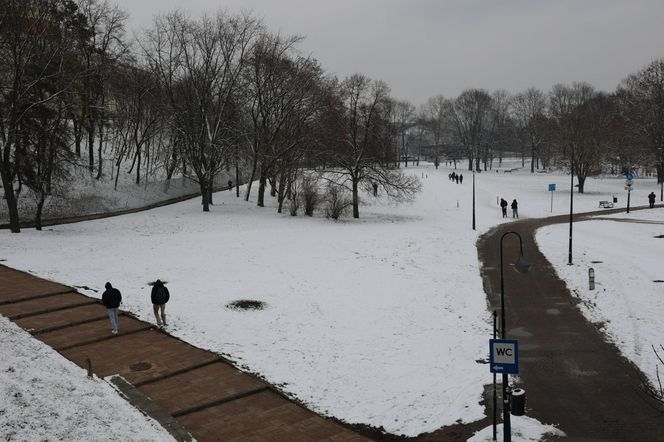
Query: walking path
{"x": 178, "y": 384}
{"x": 573, "y": 377}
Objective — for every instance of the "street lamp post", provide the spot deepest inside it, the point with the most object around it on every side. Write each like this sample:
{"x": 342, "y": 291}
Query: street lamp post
{"x": 660, "y": 174}
{"x": 473, "y": 200}
{"x": 571, "y": 206}
{"x": 522, "y": 266}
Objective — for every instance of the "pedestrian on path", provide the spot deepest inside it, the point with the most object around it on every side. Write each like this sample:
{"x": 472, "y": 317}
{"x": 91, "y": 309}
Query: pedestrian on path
{"x": 159, "y": 298}
{"x": 503, "y": 206}
{"x": 230, "y": 184}
{"x": 461, "y": 179}
{"x": 457, "y": 179}
{"x": 651, "y": 199}
{"x": 515, "y": 209}
{"x": 112, "y": 298}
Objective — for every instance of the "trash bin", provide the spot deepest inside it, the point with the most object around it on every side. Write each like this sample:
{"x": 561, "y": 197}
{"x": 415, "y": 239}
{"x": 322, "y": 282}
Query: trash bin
{"x": 518, "y": 407}
{"x": 615, "y": 199}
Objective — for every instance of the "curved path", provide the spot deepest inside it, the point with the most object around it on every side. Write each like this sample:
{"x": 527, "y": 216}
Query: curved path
{"x": 573, "y": 377}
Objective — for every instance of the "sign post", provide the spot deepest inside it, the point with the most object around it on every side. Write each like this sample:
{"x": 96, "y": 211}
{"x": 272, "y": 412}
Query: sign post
{"x": 552, "y": 188}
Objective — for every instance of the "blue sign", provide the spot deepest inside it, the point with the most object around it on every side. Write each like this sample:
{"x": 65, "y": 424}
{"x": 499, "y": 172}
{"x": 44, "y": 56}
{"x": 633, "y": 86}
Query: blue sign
{"x": 552, "y": 187}
{"x": 504, "y": 356}
{"x": 629, "y": 176}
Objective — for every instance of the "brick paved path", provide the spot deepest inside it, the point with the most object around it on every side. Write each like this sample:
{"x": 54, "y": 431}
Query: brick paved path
{"x": 213, "y": 400}
{"x": 572, "y": 376}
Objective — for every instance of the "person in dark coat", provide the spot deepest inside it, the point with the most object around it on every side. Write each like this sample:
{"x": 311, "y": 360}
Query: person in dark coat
{"x": 159, "y": 298}
{"x": 461, "y": 179}
{"x": 515, "y": 209}
{"x": 503, "y": 206}
{"x": 230, "y": 184}
{"x": 112, "y": 298}
{"x": 651, "y": 199}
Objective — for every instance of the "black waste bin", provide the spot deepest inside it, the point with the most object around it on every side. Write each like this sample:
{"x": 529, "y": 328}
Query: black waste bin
{"x": 518, "y": 406}
{"x": 615, "y": 199}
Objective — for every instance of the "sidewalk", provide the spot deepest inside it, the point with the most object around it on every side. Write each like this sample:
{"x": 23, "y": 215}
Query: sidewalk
{"x": 572, "y": 376}
{"x": 194, "y": 388}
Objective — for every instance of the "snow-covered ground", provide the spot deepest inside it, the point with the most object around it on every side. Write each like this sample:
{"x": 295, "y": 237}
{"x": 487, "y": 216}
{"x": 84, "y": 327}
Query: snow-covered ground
{"x": 379, "y": 321}
{"x": 47, "y": 398}
{"x": 627, "y": 260}
{"x": 524, "y": 429}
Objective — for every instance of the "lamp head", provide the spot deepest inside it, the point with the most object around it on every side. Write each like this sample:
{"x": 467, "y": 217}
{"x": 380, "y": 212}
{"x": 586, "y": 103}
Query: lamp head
{"x": 522, "y": 265}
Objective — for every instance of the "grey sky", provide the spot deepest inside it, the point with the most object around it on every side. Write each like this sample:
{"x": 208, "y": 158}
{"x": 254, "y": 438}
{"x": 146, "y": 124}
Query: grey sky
{"x": 426, "y": 47}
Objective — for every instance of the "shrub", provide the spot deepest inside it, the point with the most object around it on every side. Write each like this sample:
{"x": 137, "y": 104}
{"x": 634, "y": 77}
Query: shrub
{"x": 310, "y": 196}
{"x": 337, "y": 201}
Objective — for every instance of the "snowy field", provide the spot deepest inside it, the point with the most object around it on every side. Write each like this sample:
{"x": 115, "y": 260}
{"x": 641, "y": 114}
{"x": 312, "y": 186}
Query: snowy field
{"x": 377, "y": 321}
{"x": 627, "y": 259}
{"x": 47, "y": 398}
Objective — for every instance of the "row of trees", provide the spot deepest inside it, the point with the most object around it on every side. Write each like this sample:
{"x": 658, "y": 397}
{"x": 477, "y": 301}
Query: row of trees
{"x": 570, "y": 126}
{"x": 189, "y": 97}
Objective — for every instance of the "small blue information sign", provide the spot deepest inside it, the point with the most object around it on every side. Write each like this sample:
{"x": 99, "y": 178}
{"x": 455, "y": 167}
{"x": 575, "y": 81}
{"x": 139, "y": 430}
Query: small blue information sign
{"x": 504, "y": 356}
{"x": 629, "y": 176}
{"x": 552, "y": 187}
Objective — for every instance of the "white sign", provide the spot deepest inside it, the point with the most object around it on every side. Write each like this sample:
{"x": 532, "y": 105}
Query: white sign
{"x": 504, "y": 353}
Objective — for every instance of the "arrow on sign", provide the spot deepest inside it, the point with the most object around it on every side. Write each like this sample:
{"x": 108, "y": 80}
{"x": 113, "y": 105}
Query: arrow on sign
{"x": 498, "y": 367}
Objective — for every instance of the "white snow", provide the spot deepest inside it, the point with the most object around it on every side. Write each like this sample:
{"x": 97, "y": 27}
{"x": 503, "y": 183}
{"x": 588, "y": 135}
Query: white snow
{"x": 524, "y": 429}
{"x": 377, "y": 321}
{"x": 626, "y": 300}
{"x": 45, "y": 397}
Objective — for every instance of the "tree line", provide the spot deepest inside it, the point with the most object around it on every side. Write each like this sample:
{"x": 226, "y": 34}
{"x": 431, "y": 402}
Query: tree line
{"x": 197, "y": 96}
{"x": 189, "y": 96}
{"x": 571, "y": 126}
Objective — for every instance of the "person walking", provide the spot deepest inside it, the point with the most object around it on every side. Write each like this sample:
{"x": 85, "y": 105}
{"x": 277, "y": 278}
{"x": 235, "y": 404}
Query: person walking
{"x": 112, "y": 298}
{"x": 457, "y": 179}
{"x": 515, "y": 209}
{"x": 651, "y": 199}
{"x": 461, "y": 179}
{"x": 230, "y": 184}
{"x": 503, "y": 207}
{"x": 159, "y": 298}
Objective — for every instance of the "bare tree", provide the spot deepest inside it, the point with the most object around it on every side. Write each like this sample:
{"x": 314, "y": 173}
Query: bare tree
{"x": 641, "y": 99}
{"x": 198, "y": 64}
{"x": 571, "y": 130}
{"x": 356, "y": 159}
{"x": 469, "y": 115}
{"x": 35, "y": 37}
{"x": 529, "y": 109}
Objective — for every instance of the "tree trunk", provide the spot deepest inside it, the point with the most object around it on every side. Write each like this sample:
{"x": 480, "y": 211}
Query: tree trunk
{"x": 204, "y": 196}
{"x": 254, "y": 165}
{"x": 532, "y": 158}
{"x": 281, "y": 192}
{"x": 78, "y": 134}
{"x": 138, "y": 166}
{"x": 99, "y": 150}
{"x": 237, "y": 179}
{"x": 40, "y": 208}
{"x": 12, "y": 203}
{"x": 91, "y": 150}
{"x": 356, "y": 200}
{"x": 262, "y": 182}
{"x": 582, "y": 182}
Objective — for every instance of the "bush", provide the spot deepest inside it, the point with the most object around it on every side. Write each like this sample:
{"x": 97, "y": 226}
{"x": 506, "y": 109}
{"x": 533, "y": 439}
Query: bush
{"x": 337, "y": 200}
{"x": 310, "y": 196}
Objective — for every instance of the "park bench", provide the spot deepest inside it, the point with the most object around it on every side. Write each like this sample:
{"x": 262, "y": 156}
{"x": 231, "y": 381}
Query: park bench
{"x": 606, "y": 204}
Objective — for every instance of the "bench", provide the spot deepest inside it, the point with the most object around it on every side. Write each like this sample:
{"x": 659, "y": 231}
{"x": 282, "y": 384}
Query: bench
{"x": 606, "y": 204}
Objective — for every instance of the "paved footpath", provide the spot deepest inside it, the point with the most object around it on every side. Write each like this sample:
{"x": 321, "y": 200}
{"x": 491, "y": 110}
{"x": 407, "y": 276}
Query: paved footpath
{"x": 184, "y": 387}
{"x": 573, "y": 378}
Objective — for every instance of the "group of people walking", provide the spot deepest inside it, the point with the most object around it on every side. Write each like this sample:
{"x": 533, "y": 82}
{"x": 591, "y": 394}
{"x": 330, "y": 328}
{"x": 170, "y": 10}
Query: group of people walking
{"x": 112, "y": 298}
{"x": 514, "y": 206}
{"x": 456, "y": 177}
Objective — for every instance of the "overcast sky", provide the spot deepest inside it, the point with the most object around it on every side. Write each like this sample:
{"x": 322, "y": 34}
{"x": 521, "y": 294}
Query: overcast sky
{"x": 426, "y": 47}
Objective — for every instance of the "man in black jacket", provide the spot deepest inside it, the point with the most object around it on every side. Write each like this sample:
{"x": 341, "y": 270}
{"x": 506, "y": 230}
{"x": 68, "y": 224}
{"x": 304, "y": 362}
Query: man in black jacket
{"x": 159, "y": 297}
{"x": 112, "y": 300}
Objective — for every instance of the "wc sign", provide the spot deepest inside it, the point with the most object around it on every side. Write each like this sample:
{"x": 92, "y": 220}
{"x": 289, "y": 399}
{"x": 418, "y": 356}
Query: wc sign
{"x": 504, "y": 356}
